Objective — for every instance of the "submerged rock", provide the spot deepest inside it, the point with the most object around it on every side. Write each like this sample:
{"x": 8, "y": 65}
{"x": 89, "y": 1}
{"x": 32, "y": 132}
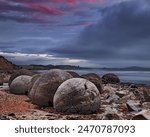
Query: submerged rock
{"x": 77, "y": 95}
{"x": 44, "y": 88}
{"x": 95, "y": 79}
{"x": 110, "y": 78}
{"x": 20, "y": 85}
{"x": 19, "y": 73}
{"x": 143, "y": 115}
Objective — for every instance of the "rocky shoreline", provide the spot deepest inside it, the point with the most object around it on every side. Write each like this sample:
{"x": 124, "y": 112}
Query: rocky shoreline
{"x": 119, "y": 101}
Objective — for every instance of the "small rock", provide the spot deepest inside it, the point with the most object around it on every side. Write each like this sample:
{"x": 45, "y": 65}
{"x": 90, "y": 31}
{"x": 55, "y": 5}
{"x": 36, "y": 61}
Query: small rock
{"x": 143, "y": 115}
{"x": 111, "y": 114}
{"x": 4, "y": 117}
{"x": 133, "y": 86}
{"x": 11, "y": 114}
{"x": 112, "y": 98}
{"x": 109, "y": 90}
{"x": 124, "y": 99}
{"x": 139, "y": 95}
{"x": 122, "y": 93}
{"x": 134, "y": 105}
{"x": 146, "y": 96}
{"x": 146, "y": 105}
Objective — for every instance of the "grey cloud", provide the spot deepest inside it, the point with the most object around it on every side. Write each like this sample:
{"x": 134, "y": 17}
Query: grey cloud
{"x": 123, "y": 33}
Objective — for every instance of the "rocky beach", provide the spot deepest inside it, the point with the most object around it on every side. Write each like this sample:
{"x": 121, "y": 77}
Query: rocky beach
{"x": 65, "y": 95}
{"x": 118, "y": 101}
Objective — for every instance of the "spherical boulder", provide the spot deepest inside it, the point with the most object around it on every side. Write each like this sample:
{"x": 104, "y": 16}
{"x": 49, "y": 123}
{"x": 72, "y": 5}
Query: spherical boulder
{"x": 77, "y": 95}
{"x": 74, "y": 74}
{"x": 95, "y": 79}
{"x": 45, "y": 86}
{"x": 20, "y": 85}
{"x": 33, "y": 80}
{"x": 19, "y": 73}
{"x": 110, "y": 78}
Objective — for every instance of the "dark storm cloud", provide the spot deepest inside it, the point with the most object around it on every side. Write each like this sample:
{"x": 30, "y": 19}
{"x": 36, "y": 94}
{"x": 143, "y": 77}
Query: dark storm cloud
{"x": 123, "y": 33}
{"x": 5, "y": 6}
{"x": 22, "y": 19}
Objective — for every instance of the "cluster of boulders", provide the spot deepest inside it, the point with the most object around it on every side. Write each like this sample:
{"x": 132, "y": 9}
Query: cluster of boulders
{"x": 65, "y": 91}
{"x": 69, "y": 92}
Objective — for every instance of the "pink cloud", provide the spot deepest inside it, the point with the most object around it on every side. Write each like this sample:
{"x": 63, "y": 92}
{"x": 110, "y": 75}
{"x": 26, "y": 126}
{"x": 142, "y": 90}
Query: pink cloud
{"x": 81, "y": 23}
{"x": 41, "y": 9}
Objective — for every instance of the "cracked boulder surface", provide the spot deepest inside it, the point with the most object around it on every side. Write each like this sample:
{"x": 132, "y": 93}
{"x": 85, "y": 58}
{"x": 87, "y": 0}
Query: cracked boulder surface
{"x": 77, "y": 95}
{"x": 95, "y": 79}
{"x": 132, "y": 103}
{"x": 45, "y": 86}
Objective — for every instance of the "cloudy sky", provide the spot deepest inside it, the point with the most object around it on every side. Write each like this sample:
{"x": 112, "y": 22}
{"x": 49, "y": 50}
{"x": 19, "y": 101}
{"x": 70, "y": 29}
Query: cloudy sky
{"x": 96, "y": 33}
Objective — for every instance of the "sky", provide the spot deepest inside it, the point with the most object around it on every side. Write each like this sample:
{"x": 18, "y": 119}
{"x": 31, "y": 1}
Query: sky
{"x": 93, "y": 33}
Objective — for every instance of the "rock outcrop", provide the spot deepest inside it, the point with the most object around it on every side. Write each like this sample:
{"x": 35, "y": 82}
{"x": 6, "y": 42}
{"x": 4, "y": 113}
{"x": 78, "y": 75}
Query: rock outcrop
{"x": 5, "y": 64}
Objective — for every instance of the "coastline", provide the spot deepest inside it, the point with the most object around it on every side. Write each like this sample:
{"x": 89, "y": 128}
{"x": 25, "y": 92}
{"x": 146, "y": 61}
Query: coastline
{"x": 20, "y": 106}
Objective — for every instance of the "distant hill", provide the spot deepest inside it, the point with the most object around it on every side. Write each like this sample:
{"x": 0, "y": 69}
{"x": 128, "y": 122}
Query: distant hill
{"x": 47, "y": 67}
{"x": 5, "y": 64}
{"x": 133, "y": 68}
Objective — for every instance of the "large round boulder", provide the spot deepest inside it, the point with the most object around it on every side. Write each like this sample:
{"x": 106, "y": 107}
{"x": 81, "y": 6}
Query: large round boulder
{"x": 20, "y": 85}
{"x": 19, "y": 73}
{"x": 33, "y": 80}
{"x": 110, "y": 78}
{"x": 45, "y": 86}
{"x": 95, "y": 79}
{"x": 77, "y": 95}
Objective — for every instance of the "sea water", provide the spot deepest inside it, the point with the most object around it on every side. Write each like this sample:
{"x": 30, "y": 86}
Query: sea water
{"x": 141, "y": 77}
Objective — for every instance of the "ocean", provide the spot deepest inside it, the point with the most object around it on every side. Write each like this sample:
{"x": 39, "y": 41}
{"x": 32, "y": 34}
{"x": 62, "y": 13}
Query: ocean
{"x": 141, "y": 77}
